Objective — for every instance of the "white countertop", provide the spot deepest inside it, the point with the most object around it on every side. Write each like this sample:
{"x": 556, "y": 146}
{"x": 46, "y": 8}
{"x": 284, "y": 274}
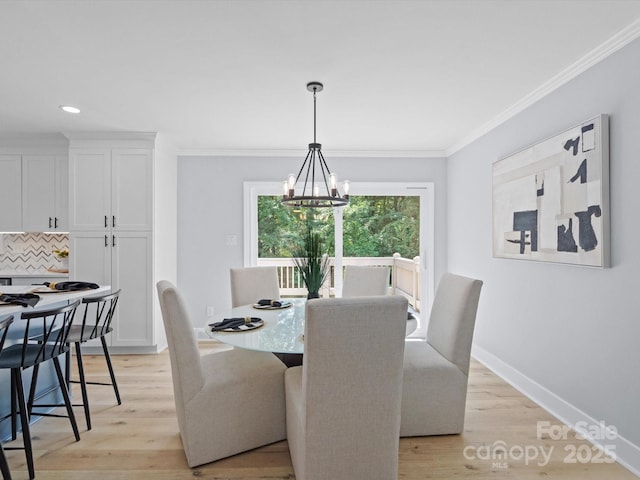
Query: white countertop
{"x": 45, "y": 298}
{"x": 39, "y": 273}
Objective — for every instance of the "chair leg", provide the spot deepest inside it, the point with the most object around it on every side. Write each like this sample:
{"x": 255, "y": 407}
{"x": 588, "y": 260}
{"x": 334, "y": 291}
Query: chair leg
{"x": 32, "y": 389}
{"x": 14, "y": 409}
{"x": 4, "y": 465}
{"x": 65, "y": 395}
{"x": 83, "y": 385}
{"x": 113, "y": 377}
{"x": 24, "y": 418}
{"x": 67, "y": 368}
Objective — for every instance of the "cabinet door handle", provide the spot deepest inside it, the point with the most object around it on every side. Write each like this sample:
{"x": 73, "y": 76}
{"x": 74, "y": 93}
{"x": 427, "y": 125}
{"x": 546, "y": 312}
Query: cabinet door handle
{"x": 106, "y": 241}
{"x": 105, "y": 221}
{"x": 113, "y": 221}
{"x": 55, "y": 222}
{"x": 49, "y": 222}
{"x": 113, "y": 240}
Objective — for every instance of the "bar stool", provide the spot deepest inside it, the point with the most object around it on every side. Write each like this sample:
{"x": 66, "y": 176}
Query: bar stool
{"x": 96, "y": 323}
{"x": 4, "y": 328}
{"x": 45, "y": 338}
{"x": 97, "y": 314}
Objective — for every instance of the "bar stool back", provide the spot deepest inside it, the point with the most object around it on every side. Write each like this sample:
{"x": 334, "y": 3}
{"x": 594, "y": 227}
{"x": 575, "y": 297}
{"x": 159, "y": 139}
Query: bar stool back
{"x": 45, "y": 338}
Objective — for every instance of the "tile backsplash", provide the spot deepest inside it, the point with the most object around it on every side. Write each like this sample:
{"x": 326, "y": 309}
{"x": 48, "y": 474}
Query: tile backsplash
{"x": 30, "y": 252}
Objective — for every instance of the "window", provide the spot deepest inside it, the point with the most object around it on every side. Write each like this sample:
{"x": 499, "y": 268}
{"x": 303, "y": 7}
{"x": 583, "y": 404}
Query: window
{"x": 385, "y": 224}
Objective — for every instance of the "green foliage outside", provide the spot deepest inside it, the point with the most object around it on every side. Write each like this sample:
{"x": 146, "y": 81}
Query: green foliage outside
{"x": 373, "y": 226}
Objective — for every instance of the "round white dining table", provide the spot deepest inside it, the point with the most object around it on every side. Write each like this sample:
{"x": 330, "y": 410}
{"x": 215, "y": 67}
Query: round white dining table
{"x": 282, "y": 331}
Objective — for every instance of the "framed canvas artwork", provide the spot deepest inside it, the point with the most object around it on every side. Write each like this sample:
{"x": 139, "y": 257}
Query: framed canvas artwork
{"x": 551, "y": 200}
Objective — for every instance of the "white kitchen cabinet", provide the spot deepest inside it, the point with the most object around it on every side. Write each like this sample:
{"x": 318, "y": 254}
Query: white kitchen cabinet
{"x": 117, "y": 184}
{"x": 124, "y": 261}
{"x": 11, "y": 193}
{"x": 110, "y": 189}
{"x": 44, "y": 193}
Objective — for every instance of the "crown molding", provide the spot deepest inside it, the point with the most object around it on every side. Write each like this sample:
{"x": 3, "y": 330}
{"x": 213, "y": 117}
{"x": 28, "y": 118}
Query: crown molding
{"x": 108, "y": 139}
{"x": 216, "y": 152}
{"x": 615, "y": 43}
{"x": 33, "y": 144}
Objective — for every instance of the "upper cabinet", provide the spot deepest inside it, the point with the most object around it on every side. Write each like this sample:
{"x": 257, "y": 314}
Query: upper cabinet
{"x": 44, "y": 193}
{"x": 110, "y": 188}
{"x": 10, "y": 193}
{"x": 34, "y": 192}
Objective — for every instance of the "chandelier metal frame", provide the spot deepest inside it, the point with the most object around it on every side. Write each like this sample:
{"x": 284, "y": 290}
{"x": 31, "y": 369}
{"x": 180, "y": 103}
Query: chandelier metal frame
{"x": 317, "y": 175}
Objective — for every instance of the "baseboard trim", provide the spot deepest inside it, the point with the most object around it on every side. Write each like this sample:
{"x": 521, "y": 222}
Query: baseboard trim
{"x": 87, "y": 350}
{"x": 627, "y": 453}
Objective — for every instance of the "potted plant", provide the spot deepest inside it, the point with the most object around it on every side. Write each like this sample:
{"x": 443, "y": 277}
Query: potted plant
{"x": 62, "y": 255}
{"x": 312, "y": 263}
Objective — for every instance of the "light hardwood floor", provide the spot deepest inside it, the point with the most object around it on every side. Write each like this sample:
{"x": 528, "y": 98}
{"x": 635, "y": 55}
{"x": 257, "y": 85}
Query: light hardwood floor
{"x": 140, "y": 440}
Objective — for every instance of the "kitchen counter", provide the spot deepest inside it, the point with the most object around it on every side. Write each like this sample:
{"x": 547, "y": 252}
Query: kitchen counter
{"x": 38, "y": 274}
{"x": 45, "y": 298}
{"x": 46, "y": 393}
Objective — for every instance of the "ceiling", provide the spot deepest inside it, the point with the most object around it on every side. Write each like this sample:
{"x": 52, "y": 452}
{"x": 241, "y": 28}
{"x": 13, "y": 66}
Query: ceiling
{"x": 400, "y": 76}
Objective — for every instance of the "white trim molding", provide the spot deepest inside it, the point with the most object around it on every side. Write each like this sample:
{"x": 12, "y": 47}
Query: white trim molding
{"x": 627, "y": 453}
{"x": 222, "y": 153}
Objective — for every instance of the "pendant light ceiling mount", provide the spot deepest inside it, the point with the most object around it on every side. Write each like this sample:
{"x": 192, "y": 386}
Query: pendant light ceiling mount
{"x": 314, "y": 164}
{"x": 315, "y": 87}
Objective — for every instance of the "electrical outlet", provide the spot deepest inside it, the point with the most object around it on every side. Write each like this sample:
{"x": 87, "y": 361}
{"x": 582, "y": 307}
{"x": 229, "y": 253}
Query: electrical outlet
{"x": 209, "y": 311}
{"x": 231, "y": 240}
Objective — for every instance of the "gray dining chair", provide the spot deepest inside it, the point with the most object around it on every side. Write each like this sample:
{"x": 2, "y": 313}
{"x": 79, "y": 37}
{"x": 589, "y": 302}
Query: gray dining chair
{"x": 226, "y": 402}
{"x": 343, "y": 403}
{"x": 436, "y": 370}
{"x": 250, "y": 284}
{"x": 360, "y": 281}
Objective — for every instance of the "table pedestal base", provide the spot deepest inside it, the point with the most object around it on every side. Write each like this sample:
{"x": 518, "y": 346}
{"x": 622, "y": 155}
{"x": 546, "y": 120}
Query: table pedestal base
{"x": 290, "y": 359}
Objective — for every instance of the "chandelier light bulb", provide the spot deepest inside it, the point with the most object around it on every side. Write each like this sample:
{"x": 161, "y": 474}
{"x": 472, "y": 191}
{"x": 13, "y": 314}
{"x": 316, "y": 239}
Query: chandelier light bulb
{"x": 333, "y": 181}
{"x": 291, "y": 185}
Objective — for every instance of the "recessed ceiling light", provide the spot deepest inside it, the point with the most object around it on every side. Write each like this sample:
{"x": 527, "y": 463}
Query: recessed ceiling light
{"x": 69, "y": 109}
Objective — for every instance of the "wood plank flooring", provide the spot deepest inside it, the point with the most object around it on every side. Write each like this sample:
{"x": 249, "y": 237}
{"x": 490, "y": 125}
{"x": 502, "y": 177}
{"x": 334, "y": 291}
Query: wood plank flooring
{"x": 139, "y": 439}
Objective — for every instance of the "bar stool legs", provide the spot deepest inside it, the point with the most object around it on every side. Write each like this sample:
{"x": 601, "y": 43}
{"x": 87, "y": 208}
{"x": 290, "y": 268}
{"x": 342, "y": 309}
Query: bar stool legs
{"x": 65, "y": 396}
{"x": 21, "y": 405}
{"x": 111, "y": 374}
{"x": 83, "y": 385}
{"x": 4, "y": 466}
{"x": 83, "y": 382}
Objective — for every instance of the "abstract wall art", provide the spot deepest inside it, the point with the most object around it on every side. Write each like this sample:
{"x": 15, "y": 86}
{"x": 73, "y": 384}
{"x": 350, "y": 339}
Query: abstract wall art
{"x": 551, "y": 200}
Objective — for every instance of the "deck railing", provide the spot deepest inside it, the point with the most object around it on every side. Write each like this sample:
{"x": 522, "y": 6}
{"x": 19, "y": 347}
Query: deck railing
{"x": 405, "y": 275}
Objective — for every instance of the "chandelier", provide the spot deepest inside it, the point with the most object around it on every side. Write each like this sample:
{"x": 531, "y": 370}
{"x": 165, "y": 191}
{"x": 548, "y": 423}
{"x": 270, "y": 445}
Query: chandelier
{"x": 320, "y": 188}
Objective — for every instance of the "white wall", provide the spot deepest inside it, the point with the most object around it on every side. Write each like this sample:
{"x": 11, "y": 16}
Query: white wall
{"x": 210, "y": 206}
{"x": 165, "y": 223}
{"x": 567, "y": 335}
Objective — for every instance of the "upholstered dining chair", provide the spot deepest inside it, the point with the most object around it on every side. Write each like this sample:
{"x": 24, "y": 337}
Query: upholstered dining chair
{"x": 436, "y": 370}
{"x": 250, "y": 284}
{"x": 226, "y": 402}
{"x": 365, "y": 281}
{"x": 343, "y": 403}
